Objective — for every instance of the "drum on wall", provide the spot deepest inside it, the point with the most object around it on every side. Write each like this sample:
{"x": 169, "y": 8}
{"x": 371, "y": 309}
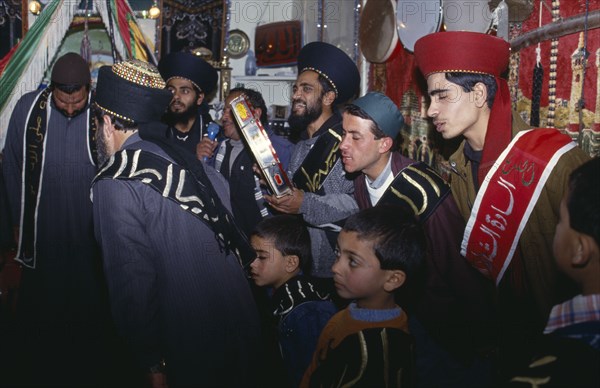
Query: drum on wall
{"x": 377, "y": 30}
{"x": 415, "y": 19}
{"x": 472, "y": 15}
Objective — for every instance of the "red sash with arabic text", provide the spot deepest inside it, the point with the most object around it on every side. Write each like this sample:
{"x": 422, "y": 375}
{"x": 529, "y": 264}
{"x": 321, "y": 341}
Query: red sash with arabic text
{"x": 507, "y": 197}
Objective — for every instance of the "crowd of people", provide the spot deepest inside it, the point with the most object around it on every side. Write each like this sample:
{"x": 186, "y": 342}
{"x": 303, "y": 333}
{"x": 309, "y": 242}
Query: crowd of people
{"x": 139, "y": 251}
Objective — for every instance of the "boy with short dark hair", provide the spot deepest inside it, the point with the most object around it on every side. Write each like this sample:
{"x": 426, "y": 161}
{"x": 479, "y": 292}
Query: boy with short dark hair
{"x": 300, "y": 308}
{"x": 569, "y": 354}
{"x": 380, "y": 251}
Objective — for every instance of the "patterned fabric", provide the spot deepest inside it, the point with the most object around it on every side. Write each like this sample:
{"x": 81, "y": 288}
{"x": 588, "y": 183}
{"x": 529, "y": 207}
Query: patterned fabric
{"x": 579, "y": 309}
{"x": 301, "y": 309}
{"x": 133, "y": 91}
{"x": 293, "y": 293}
{"x": 140, "y": 73}
{"x": 362, "y": 353}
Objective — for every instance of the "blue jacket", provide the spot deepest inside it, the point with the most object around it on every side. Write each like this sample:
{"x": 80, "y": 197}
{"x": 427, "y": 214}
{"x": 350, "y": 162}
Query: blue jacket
{"x": 302, "y": 310}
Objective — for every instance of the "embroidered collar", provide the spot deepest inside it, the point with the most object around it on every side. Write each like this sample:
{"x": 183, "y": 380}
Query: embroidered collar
{"x": 293, "y": 293}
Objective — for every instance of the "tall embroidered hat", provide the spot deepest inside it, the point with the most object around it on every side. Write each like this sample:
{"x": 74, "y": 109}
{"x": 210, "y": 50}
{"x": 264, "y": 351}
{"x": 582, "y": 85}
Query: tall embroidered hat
{"x": 382, "y": 111}
{"x": 462, "y": 51}
{"x": 191, "y": 67}
{"x": 333, "y": 64}
{"x": 473, "y": 52}
{"x": 132, "y": 90}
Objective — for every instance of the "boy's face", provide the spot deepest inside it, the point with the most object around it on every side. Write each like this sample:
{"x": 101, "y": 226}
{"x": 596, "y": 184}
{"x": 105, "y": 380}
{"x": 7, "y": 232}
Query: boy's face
{"x": 269, "y": 267}
{"x": 565, "y": 240}
{"x": 357, "y": 273}
{"x": 360, "y": 150}
{"x": 453, "y": 110}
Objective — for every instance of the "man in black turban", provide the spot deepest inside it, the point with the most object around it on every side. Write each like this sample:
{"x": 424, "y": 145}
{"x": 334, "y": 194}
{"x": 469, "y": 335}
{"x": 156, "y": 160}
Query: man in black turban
{"x": 190, "y": 79}
{"x": 323, "y": 193}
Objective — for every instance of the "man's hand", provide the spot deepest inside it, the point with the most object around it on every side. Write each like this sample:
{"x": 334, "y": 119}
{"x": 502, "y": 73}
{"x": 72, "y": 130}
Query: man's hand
{"x": 259, "y": 174}
{"x": 289, "y": 204}
{"x": 205, "y": 148}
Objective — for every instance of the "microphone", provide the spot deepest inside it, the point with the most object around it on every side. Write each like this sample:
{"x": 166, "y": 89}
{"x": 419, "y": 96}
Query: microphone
{"x": 212, "y": 131}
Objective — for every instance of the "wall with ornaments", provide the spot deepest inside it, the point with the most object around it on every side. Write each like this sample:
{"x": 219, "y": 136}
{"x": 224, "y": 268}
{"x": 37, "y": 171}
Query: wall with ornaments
{"x": 569, "y": 98}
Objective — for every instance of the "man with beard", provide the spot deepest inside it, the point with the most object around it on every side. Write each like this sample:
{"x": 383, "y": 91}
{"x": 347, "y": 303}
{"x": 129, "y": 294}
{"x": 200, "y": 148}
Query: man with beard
{"x": 323, "y": 192}
{"x": 171, "y": 250}
{"x": 49, "y": 164}
{"x": 190, "y": 79}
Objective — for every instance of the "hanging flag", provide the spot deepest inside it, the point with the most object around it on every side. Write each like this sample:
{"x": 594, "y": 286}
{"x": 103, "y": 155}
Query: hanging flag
{"x": 135, "y": 43}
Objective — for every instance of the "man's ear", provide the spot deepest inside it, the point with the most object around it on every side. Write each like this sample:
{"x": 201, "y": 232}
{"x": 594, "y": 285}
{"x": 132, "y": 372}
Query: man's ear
{"x": 329, "y": 98}
{"x": 386, "y": 144}
{"x": 395, "y": 279}
{"x": 480, "y": 94}
{"x": 291, "y": 263}
{"x": 108, "y": 128}
{"x": 584, "y": 251}
{"x": 200, "y": 98}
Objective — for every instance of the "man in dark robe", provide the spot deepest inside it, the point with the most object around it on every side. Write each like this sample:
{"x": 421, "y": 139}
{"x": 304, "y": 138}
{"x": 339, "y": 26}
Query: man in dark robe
{"x": 323, "y": 192}
{"x": 49, "y": 164}
{"x": 171, "y": 250}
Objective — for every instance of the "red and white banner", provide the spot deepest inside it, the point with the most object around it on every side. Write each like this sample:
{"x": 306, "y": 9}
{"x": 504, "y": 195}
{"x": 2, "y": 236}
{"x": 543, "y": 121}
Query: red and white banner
{"x": 507, "y": 197}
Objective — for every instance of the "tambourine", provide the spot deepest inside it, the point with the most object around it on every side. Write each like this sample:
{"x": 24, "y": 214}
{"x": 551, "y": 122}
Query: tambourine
{"x": 472, "y": 15}
{"x": 377, "y": 31}
{"x": 415, "y": 19}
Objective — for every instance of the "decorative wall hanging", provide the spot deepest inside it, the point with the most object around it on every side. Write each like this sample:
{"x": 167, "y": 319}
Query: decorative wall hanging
{"x": 278, "y": 44}
{"x": 189, "y": 24}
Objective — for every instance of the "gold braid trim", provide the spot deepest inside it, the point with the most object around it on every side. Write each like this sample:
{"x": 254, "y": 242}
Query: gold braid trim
{"x": 325, "y": 76}
{"x": 114, "y": 113}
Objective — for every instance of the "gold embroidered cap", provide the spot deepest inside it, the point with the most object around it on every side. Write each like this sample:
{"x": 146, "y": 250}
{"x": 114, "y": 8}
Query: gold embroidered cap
{"x": 132, "y": 90}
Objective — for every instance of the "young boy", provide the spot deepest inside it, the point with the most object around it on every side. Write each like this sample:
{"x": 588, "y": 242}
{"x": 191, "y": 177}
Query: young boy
{"x": 380, "y": 251}
{"x": 300, "y": 308}
{"x": 569, "y": 354}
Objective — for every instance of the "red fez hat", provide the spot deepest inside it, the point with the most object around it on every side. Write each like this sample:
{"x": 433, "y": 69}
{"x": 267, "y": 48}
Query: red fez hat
{"x": 473, "y": 52}
{"x": 462, "y": 51}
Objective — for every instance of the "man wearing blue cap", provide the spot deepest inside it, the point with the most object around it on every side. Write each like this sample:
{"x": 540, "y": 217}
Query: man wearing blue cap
{"x": 454, "y": 303}
{"x": 190, "y": 79}
{"x": 323, "y": 192}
